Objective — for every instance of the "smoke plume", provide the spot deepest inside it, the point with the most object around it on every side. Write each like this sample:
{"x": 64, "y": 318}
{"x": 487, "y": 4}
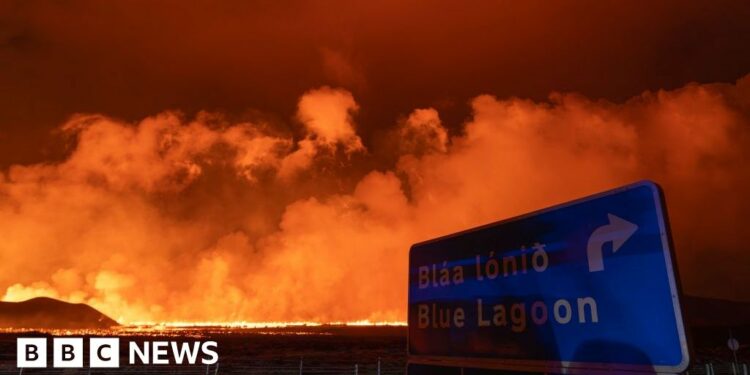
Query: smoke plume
{"x": 201, "y": 218}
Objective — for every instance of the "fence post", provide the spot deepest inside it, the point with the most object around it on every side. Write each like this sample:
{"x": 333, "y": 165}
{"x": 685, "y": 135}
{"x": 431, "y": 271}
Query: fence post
{"x": 356, "y": 369}
{"x": 378, "y": 365}
{"x": 207, "y": 367}
{"x": 216, "y": 370}
{"x": 744, "y": 368}
{"x": 300, "y": 365}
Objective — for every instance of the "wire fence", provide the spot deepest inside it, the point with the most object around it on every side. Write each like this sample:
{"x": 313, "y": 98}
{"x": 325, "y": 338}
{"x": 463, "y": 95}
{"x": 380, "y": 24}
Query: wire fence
{"x": 301, "y": 368}
{"x": 719, "y": 368}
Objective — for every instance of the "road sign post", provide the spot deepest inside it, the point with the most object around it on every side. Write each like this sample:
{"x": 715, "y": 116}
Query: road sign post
{"x": 734, "y": 345}
{"x": 586, "y": 286}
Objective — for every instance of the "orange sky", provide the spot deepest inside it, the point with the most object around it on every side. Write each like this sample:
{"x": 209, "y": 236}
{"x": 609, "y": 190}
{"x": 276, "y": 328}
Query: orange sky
{"x": 275, "y": 162}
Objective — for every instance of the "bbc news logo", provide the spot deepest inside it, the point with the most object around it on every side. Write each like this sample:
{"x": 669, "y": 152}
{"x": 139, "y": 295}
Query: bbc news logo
{"x": 104, "y": 352}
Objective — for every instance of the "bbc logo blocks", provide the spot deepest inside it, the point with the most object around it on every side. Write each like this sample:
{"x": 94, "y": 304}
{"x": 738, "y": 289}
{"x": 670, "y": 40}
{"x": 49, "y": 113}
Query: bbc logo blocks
{"x": 104, "y": 352}
{"x": 67, "y": 352}
{"x": 31, "y": 352}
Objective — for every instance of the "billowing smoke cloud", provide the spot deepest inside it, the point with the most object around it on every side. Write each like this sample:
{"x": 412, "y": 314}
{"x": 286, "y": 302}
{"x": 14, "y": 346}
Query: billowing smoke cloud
{"x": 327, "y": 116}
{"x": 205, "y": 219}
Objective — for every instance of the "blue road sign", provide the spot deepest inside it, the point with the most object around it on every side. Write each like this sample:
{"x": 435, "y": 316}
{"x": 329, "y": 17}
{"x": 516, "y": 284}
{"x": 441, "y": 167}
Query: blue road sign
{"x": 587, "y": 285}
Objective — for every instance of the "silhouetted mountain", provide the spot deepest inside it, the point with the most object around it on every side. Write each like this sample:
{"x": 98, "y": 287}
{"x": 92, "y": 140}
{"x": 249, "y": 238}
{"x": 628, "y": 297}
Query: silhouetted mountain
{"x": 711, "y": 312}
{"x": 48, "y": 313}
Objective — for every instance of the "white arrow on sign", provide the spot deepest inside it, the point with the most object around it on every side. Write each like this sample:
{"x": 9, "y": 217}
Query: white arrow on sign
{"x": 617, "y": 231}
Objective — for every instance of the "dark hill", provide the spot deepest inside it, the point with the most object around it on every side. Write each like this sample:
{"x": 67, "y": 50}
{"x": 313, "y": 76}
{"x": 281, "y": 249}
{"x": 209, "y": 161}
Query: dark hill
{"x": 711, "y": 312}
{"x": 48, "y": 313}
{"x": 711, "y": 321}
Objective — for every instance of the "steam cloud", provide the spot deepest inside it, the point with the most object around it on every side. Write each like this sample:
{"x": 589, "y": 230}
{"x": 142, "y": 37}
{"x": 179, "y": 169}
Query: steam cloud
{"x": 204, "y": 219}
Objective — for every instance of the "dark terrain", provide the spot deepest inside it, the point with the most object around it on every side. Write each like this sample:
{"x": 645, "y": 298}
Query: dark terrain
{"x": 342, "y": 349}
{"x": 48, "y": 313}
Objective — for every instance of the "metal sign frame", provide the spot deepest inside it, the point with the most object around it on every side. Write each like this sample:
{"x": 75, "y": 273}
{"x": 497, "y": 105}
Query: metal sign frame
{"x": 570, "y": 366}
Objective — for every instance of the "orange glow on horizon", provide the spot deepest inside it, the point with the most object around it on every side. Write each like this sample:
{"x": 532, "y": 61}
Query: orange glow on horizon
{"x": 201, "y": 328}
{"x": 256, "y": 325}
{"x": 197, "y": 221}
